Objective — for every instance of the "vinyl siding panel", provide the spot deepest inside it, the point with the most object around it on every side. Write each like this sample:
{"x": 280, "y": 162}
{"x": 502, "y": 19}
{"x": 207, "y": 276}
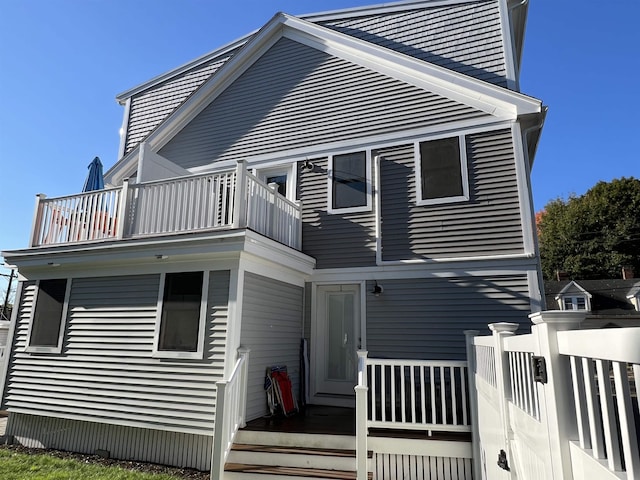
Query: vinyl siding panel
{"x": 487, "y": 224}
{"x": 425, "y": 318}
{"x": 151, "y": 107}
{"x": 334, "y": 240}
{"x": 465, "y": 38}
{"x": 309, "y": 98}
{"x": 124, "y": 443}
{"x": 272, "y": 328}
{"x": 106, "y": 372}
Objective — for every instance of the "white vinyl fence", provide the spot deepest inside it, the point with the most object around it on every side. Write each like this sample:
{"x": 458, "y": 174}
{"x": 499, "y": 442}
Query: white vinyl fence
{"x": 556, "y": 404}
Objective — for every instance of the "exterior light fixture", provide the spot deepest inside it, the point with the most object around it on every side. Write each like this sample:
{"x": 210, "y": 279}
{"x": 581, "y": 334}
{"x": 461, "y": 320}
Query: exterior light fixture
{"x": 162, "y": 257}
{"x": 53, "y": 264}
{"x": 307, "y": 166}
{"x": 377, "y": 289}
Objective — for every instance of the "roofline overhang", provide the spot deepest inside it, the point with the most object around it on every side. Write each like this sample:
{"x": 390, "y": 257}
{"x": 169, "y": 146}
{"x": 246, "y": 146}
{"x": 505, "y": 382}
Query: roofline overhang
{"x": 494, "y": 100}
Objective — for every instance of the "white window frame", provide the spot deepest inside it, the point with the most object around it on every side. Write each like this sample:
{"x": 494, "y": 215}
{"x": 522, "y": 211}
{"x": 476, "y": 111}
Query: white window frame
{"x": 289, "y": 170}
{"x": 574, "y": 303}
{"x": 63, "y": 321}
{"x": 463, "y": 172}
{"x": 199, "y": 353}
{"x": 362, "y": 208}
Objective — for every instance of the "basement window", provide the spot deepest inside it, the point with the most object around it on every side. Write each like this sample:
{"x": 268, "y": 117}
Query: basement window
{"x": 349, "y": 183}
{"x": 441, "y": 171}
{"x": 180, "y": 321}
{"x": 46, "y": 329}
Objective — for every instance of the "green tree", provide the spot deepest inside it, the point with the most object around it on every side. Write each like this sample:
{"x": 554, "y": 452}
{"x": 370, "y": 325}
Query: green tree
{"x": 593, "y": 235}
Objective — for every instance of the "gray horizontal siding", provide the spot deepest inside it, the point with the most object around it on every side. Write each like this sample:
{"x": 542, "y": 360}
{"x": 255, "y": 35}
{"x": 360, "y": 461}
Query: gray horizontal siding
{"x": 124, "y": 443}
{"x": 105, "y": 372}
{"x": 296, "y": 96}
{"x": 149, "y": 108}
{"x": 488, "y": 224}
{"x": 272, "y": 328}
{"x": 465, "y": 38}
{"x": 425, "y": 318}
{"x": 337, "y": 240}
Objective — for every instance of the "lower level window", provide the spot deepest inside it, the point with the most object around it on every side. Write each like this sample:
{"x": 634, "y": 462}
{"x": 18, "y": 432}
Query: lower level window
{"x": 180, "y": 331}
{"x": 47, "y": 322}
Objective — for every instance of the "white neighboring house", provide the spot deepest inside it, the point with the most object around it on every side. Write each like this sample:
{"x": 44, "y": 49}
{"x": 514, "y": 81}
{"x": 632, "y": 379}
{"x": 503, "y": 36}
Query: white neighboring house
{"x": 359, "y": 179}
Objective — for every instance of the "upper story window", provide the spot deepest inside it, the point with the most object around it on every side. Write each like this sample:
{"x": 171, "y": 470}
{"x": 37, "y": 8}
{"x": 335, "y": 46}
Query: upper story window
{"x": 48, "y": 316}
{"x": 349, "y": 183}
{"x": 181, "y": 315}
{"x": 441, "y": 171}
{"x": 574, "y": 303}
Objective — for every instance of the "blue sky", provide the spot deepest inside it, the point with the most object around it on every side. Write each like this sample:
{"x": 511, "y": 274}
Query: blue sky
{"x": 62, "y": 62}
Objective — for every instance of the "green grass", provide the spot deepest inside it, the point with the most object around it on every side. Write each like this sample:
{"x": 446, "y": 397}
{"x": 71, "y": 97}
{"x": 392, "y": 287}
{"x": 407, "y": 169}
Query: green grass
{"x": 22, "y": 466}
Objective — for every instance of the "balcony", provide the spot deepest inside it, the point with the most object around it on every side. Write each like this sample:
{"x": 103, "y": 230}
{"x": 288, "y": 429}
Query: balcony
{"x": 214, "y": 201}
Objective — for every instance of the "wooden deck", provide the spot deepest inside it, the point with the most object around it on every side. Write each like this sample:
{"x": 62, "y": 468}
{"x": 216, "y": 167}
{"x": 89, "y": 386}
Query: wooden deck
{"x": 324, "y": 420}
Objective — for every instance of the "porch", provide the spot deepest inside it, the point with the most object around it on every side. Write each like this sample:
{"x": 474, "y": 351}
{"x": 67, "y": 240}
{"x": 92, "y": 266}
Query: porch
{"x": 223, "y": 200}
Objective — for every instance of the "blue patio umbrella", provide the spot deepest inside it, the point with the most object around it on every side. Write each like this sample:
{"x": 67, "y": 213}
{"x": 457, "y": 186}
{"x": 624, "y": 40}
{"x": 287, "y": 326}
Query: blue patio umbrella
{"x": 94, "y": 180}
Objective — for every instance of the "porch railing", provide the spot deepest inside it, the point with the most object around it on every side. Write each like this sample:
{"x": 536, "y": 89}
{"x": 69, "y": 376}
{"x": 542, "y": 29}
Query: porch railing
{"x": 409, "y": 395}
{"x": 231, "y": 402}
{"x": 212, "y": 201}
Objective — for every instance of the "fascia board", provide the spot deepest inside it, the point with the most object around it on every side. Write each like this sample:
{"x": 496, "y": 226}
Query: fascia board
{"x": 113, "y": 176}
{"x": 496, "y": 101}
{"x": 487, "y": 97}
{"x": 219, "y": 52}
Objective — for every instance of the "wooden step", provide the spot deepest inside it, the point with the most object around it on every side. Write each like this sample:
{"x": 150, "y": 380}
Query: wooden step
{"x": 333, "y": 452}
{"x": 291, "y": 473}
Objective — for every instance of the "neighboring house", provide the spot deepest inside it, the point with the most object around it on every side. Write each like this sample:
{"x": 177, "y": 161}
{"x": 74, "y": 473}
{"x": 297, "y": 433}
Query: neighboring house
{"x": 608, "y": 302}
{"x": 358, "y": 178}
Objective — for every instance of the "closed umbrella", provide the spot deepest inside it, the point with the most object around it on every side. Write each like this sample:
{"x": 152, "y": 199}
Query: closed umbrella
{"x": 94, "y": 180}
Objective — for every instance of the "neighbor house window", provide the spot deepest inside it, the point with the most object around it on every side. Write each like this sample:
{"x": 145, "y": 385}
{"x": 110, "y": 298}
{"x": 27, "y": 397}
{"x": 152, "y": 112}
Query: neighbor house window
{"x": 181, "y": 315}
{"x": 574, "y": 303}
{"x": 349, "y": 183}
{"x": 48, "y": 317}
{"x": 441, "y": 171}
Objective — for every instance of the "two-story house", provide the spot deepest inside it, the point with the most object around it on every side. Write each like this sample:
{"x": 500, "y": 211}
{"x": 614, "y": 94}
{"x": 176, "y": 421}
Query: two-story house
{"x": 356, "y": 179}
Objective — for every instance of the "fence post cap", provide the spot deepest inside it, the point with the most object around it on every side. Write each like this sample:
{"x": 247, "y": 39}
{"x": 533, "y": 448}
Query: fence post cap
{"x": 559, "y": 317}
{"x": 503, "y": 327}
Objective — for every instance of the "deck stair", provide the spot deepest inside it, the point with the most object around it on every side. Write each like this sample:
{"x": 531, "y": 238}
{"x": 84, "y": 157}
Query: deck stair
{"x": 291, "y": 456}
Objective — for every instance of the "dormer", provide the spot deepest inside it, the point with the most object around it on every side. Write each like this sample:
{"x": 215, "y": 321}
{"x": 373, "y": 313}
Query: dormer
{"x": 574, "y": 297}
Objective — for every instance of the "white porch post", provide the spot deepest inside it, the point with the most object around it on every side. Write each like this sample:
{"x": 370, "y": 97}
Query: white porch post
{"x": 123, "y": 209}
{"x": 558, "y": 404}
{"x": 361, "y": 417}
{"x": 219, "y": 430}
{"x": 473, "y": 402}
{"x": 500, "y": 331}
{"x": 240, "y": 198}
{"x": 36, "y": 228}
{"x": 243, "y": 352}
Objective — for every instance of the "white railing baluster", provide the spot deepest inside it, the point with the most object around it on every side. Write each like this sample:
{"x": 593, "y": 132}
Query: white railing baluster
{"x": 608, "y": 415}
{"x": 627, "y": 424}
{"x": 453, "y": 395}
{"x": 578, "y": 394}
{"x": 593, "y": 413}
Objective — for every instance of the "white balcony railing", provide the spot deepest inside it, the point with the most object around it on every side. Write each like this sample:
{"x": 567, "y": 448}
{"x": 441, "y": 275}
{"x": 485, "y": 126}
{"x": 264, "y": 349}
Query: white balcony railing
{"x": 212, "y": 201}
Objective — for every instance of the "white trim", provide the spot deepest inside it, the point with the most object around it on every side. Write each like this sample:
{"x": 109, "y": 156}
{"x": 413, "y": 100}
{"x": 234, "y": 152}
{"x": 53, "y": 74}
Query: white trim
{"x": 8, "y": 354}
{"x": 464, "y": 175}
{"x": 376, "y": 209}
{"x": 536, "y": 299}
{"x": 508, "y": 39}
{"x": 199, "y": 353}
{"x": 525, "y": 198}
{"x": 362, "y": 208}
{"x": 124, "y": 134}
{"x": 63, "y": 320}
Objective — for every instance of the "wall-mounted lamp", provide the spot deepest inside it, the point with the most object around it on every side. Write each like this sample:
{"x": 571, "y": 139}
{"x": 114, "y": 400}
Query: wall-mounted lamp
{"x": 377, "y": 289}
{"x": 307, "y": 166}
{"x": 162, "y": 257}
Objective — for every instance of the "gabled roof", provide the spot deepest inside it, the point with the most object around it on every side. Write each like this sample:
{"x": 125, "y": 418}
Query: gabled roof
{"x": 517, "y": 9}
{"x": 572, "y": 288}
{"x": 499, "y": 102}
{"x": 608, "y": 297}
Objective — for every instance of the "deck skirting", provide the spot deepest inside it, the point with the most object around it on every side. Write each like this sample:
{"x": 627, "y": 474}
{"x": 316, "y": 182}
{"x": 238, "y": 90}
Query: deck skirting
{"x": 175, "y": 449}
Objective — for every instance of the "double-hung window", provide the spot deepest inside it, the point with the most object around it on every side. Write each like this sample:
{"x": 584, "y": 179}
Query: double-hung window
{"x": 441, "y": 171}
{"x": 180, "y": 321}
{"x": 574, "y": 303}
{"x": 349, "y": 183}
{"x": 46, "y": 329}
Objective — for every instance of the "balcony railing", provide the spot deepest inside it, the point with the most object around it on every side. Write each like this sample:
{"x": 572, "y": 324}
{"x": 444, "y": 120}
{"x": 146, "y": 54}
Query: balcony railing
{"x": 212, "y": 201}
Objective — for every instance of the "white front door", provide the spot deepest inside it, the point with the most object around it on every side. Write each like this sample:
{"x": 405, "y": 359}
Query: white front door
{"x": 337, "y": 338}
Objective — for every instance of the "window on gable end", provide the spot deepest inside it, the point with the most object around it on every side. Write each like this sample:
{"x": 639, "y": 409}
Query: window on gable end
{"x": 441, "y": 171}
{"x": 48, "y": 317}
{"x": 181, "y": 315}
{"x": 349, "y": 183}
{"x": 574, "y": 303}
